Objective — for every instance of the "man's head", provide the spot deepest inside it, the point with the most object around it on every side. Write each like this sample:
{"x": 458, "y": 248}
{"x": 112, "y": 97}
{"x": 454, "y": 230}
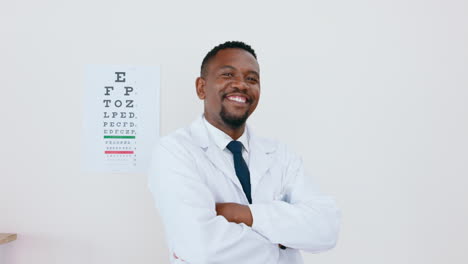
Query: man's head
{"x": 229, "y": 83}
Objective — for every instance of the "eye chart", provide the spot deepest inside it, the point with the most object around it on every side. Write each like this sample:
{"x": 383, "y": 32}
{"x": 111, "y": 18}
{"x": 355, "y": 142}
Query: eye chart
{"x": 120, "y": 117}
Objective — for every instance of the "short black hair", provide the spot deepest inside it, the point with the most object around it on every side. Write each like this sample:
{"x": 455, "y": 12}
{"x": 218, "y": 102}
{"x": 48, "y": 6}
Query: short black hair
{"x": 225, "y": 45}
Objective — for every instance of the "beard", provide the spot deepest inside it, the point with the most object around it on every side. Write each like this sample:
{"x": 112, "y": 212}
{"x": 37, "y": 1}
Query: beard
{"x": 232, "y": 120}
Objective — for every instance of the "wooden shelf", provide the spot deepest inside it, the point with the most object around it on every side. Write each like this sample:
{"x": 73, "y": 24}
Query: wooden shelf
{"x": 5, "y": 238}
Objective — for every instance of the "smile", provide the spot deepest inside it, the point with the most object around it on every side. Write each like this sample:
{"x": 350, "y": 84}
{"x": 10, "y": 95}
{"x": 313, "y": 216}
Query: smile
{"x": 237, "y": 98}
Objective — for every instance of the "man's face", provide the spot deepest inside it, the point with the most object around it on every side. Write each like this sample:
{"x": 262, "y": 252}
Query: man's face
{"x": 230, "y": 87}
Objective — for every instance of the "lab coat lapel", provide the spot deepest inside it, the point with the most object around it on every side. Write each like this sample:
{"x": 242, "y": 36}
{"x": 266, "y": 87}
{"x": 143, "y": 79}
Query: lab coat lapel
{"x": 216, "y": 157}
{"x": 212, "y": 151}
{"x": 261, "y": 159}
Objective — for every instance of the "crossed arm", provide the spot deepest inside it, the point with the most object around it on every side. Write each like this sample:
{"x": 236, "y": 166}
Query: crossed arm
{"x": 235, "y": 213}
{"x": 223, "y": 232}
{"x": 195, "y": 231}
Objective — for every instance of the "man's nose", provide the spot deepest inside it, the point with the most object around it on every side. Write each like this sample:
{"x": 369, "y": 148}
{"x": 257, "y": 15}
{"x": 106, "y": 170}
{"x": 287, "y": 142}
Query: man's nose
{"x": 240, "y": 84}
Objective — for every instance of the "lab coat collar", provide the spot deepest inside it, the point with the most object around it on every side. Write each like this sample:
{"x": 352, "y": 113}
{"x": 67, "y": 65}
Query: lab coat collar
{"x": 260, "y": 154}
{"x": 199, "y": 133}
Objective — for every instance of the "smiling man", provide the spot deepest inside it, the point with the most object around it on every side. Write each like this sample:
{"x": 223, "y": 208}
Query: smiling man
{"x": 226, "y": 195}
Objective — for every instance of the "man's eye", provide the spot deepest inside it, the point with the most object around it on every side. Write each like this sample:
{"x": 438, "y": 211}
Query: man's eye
{"x": 252, "y": 79}
{"x": 227, "y": 74}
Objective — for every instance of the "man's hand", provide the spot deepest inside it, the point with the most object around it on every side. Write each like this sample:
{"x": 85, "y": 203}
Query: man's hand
{"x": 236, "y": 213}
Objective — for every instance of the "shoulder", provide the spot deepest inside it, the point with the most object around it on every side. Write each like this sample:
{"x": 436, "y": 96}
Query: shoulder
{"x": 178, "y": 144}
{"x": 275, "y": 147}
{"x": 178, "y": 138}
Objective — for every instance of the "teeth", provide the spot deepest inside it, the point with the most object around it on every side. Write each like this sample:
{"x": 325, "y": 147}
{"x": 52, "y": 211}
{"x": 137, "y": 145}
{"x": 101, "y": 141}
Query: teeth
{"x": 237, "y": 99}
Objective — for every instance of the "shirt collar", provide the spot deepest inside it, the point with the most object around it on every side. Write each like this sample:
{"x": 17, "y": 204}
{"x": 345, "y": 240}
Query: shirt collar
{"x": 222, "y": 139}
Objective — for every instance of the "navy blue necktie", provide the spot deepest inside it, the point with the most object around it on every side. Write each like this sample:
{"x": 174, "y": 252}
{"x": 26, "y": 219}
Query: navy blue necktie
{"x": 242, "y": 171}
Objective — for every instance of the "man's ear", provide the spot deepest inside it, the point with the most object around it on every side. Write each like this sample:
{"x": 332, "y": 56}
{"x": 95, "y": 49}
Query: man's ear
{"x": 200, "y": 86}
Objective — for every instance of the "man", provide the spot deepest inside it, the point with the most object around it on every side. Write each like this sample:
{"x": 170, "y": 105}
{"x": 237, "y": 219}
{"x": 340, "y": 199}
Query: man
{"x": 226, "y": 195}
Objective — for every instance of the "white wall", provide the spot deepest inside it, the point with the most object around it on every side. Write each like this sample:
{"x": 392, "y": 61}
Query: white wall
{"x": 373, "y": 94}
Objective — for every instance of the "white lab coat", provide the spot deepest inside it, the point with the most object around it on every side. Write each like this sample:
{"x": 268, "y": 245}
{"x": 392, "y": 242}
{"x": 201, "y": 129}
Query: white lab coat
{"x": 189, "y": 175}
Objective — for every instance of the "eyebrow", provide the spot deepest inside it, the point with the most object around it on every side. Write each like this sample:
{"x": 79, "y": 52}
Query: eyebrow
{"x": 232, "y": 68}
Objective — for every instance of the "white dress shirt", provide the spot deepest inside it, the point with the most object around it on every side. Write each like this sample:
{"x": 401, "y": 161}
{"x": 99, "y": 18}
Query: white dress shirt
{"x": 222, "y": 139}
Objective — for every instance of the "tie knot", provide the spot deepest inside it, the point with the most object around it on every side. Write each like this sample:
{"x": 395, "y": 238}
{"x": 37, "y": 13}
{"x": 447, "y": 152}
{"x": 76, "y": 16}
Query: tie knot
{"x": 235, "y": 146}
